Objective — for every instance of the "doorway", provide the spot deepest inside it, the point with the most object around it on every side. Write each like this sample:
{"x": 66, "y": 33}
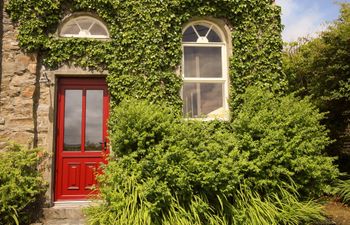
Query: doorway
{"x": 81, "y": 140}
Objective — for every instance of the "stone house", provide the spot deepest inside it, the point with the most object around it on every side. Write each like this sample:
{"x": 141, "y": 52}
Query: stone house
{"x": 64, "y": 110}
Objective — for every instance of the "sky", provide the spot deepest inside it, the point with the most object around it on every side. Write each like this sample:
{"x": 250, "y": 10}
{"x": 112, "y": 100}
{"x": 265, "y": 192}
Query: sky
{"x": 303, "y": 18}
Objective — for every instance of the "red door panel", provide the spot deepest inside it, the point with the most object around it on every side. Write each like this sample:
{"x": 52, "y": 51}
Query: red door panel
{"x": 81, "y": 142}
{"x": 91, "y": 168}
{"x": 72, "y": 172}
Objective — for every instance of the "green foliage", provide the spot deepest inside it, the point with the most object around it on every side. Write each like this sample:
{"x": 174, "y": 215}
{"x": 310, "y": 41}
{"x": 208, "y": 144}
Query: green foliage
{"x": 20, "y": 184}
{"x": 248, "y": 207}
{"x": 320, "y": 68}
{"x": 167, "y": 170}
{"x": 168, "y": 155}
{"x": 285, "y": 140}
{"x": 145, "y": 46}
{"x": 280, "y": 207}
{"x": 342, "y": 189}
{"x": 135, "y": 126}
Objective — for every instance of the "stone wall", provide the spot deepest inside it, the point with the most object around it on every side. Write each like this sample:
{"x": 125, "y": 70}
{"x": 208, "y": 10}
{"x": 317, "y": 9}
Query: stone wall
{"x": 24, "y": 101}
{"x": 26, "y": 110}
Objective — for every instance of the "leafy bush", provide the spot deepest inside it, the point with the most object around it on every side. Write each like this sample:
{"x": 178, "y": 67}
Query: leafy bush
{"x": 170, "y": 156}
{"x": 342, "y": 189}
{"x": 20, "y": 184}
{"x": 320, "y": 68}
{"x": 285, "y": 139}
{"x": 167, "y": 170}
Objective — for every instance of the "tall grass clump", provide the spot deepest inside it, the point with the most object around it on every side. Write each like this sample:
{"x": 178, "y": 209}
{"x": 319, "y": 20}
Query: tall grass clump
{"x": 21, "y": 184}
{"x": 260, "y": 168}
{"x": 342, "y": 189}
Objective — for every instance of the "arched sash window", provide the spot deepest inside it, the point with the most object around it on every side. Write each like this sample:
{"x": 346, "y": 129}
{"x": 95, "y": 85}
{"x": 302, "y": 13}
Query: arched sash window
{"x": 204, "y": 71}
{"x": 84, "y": 27}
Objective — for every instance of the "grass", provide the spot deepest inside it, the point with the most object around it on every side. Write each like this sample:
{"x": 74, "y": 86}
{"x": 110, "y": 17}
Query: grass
{"x": 342, "y": 189}
{"x": 246, "y": 207}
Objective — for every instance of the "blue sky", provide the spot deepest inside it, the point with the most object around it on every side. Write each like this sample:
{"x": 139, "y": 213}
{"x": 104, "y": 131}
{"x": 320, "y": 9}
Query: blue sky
{"x": 307, "y": 17}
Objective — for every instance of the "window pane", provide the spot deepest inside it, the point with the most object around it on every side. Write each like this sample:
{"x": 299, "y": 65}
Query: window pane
{"x": 84, "y": 27}
{"x": 96, "y": 29}
{"x": 72, "y": 120}
{"x": 203, "y": 62}
{"x": 202, "y": 98}
{"x": 70, "y": 29}
{"x": 84, "y": 23}
{"x": 201, "y": 30}
{"x": 189, "y": 35}
{"x": 213, "y": 37}
{"x": 94, "y": 120}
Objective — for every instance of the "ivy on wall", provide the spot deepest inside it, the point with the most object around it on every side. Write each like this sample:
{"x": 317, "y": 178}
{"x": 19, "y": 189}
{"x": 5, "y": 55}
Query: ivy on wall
{"x": 145, "y": 46}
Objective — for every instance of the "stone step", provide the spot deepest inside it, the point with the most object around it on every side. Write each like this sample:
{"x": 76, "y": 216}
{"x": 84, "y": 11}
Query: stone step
{"x": 65, "y": 213}
{"x": 64, "y": 222}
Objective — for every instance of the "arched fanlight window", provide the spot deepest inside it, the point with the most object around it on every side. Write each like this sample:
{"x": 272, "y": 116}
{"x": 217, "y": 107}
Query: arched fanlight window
{"x": 205, "y": 72}
{"x": 84, "y": 27}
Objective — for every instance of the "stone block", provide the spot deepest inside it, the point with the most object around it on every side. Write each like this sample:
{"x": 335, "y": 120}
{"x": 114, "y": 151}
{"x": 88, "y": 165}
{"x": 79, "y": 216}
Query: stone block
{"x": 14, "y": 92}
{"x": 63, "y": 213}
{"x": 22, "y": 106}
{"x": 9, "y": 67}
{"x": 8, "y": 57}
{"x": 21, "y": 81}
{"x": 2, "y": 121}
{"x": 32, "y": 68}
{"x": 43, "y": 107}
{"x": 7, "y": 28}
{"x": 23, "y": 59}
{"x": 20, "y": 122}
{"x": 23, "y": 138}
{"x": 28, "y": 92}
{"x": 10, "y": 46}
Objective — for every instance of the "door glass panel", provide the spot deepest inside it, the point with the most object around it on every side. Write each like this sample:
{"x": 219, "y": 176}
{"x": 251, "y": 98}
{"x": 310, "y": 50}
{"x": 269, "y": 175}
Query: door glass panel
{"x": 94, "y": 120}
{"x": 201, "y": 99}
{"x": 203, "y": 62}
{"x": 72, "y": 120}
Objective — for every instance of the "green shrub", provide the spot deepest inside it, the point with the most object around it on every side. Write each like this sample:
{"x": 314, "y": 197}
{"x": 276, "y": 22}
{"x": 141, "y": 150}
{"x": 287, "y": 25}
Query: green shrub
{"x": 170, "y": 156}
{"x": 285, "y": 139}
{"x": 20, "y": 184}
{"x": 167, "y": 170}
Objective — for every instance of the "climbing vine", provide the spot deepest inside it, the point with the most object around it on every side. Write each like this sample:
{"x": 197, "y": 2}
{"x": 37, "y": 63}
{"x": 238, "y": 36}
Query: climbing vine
{"x": 145, "y": 46}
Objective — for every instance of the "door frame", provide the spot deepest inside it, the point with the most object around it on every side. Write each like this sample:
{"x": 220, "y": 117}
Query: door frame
{"x": 89, "y": 81}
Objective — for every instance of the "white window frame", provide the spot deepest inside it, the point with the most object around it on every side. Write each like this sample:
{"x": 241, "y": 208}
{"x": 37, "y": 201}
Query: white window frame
{"x": 222, "y": 114}
{"x": 80, "y": 34}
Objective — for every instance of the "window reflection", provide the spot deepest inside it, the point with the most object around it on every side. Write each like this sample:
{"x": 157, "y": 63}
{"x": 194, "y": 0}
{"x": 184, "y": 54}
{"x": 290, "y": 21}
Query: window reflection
{"x": 72, "y": 120}
{"x": 203, "y": 62}
{"x": 201, "y": 98}
{"x": 94, "y": 120}
{"x": 204, "y": 71}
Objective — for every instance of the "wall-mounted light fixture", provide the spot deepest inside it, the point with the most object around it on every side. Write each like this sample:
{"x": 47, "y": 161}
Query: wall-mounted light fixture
{"x": 44, "y": 79}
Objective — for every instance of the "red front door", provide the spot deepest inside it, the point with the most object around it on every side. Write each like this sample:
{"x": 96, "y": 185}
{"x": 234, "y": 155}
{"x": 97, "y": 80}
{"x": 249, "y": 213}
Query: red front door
{"x": 81, "y": 136}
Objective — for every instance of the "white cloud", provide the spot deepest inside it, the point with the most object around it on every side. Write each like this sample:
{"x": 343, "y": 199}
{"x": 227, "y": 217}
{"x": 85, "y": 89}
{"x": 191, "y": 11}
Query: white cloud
{"x": 288, "y": 7}
{"x": 300, "y": 21}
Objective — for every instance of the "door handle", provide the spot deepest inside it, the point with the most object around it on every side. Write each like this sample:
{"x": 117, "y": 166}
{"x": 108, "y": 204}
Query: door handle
{"x": 105, "y": 145}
